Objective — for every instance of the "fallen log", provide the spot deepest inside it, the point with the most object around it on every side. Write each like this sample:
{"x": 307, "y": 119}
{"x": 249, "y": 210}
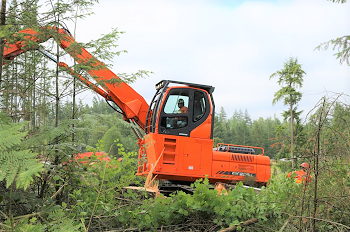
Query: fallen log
{"x": 151, "y": 193}
{"x": 246, "y": 223}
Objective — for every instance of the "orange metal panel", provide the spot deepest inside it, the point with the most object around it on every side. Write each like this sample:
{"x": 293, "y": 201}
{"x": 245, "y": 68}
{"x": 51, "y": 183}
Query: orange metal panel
{"x": 221, "y": 156}
{"x": 192, "y": 156}
{"x": 202, "y": 131}
{"x": 243, "y": 169}
{"x": 263, "y": 169}
{"x": 184, "y": 158}
{"x": 219, "y": 168}
{"x": 261, "y": 173}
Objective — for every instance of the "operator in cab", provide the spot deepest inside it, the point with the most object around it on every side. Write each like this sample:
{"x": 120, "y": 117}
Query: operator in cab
{"x": 182, "y": 107}
{"x": 180, "y": 122}
{"x": 302, "y": 176}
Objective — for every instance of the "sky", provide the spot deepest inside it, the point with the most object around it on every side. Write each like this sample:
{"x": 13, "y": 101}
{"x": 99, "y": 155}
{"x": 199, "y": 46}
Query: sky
{"x": 234, "y": 46}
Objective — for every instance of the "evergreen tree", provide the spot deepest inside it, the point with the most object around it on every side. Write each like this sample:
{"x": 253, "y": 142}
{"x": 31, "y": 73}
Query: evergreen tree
{"x": 247, "y": 118}
{"x": 220, "y": 132}
{"x": 257, "y": 132}
{"x": 222, "y": 115}
{"x": 290, "y": 78}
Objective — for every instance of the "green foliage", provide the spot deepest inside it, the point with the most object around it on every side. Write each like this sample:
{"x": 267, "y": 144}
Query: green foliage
{"x": 341, "y": 44}
{"x": 110, "y": 139}
{"x": 241, "y": 130}
{"x": 103, "y": 124}
{"x": 5, "y": 31}
{"x": 338, "y": 1}
{"x": 220, "y": 128}
{"x": 290, "y": 78}
{"x": 321, "y": 205}
{"x": 202, "y": 207}
{"x": 16, "y": 163}
{"x": 97, "y": 199}
{"x": 113, "y": 136}
{"x": 55, "y": 220}
{"x": 102, "y": 184}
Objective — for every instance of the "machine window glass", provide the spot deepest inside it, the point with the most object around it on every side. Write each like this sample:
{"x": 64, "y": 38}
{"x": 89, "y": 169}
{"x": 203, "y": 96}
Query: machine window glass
{"x": 177, "y": 102}
{"x": 198, "y": 106}
{"x": 176, "y": 110}
{"x": 174, "y": 122}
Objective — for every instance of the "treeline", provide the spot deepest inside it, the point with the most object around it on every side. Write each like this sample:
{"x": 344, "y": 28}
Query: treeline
{"x": 273, "y": 134}
{"x": 104, "y": 128}
{"x": 240, "y": 129}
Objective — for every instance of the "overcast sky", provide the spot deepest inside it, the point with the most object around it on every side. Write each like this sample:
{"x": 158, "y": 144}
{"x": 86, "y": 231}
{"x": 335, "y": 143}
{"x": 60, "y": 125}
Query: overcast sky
{"x": 232, "y": 45}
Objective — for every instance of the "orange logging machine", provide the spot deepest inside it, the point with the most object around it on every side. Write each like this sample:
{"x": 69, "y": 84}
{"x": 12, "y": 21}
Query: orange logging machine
{"x": 175, "y": 130}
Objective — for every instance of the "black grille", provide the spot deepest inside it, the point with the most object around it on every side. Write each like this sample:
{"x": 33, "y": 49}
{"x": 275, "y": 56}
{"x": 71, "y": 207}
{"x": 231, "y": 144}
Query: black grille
{"x": 241, "y": 150}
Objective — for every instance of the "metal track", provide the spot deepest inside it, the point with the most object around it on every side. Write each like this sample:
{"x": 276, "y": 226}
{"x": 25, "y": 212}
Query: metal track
{"x": 169, "y": 187}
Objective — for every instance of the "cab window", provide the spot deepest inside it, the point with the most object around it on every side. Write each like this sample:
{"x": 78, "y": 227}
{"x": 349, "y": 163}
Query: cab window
{"x": 177, "y": 108}
{"x": 172, "y": 104}
{"x": 198, "y": 106}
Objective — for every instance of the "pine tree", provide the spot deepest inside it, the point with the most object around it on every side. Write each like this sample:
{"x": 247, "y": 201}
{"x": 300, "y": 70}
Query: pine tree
{"x": 290, "y": 78}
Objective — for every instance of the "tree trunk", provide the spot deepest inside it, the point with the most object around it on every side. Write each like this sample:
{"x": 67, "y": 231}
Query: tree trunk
{"x": 292, "y": 133}
{"x": 34, "y": 95}
{"x": 73, "y": 108}
{"x": 57, "y": 108}
{"x": 74, "y": 83}
{"x": 316, "y": 162}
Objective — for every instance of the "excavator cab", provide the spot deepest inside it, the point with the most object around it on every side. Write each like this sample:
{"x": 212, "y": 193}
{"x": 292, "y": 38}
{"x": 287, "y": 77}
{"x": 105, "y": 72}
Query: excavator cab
{"x": 167, "y": 116}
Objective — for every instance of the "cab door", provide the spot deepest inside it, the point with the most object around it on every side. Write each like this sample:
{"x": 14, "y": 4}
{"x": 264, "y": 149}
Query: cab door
{"x": 173, "y": 119}
{"x": 193, "y": 142}
{"x": 185, "y": 120}
{"x": 197, "y": 153}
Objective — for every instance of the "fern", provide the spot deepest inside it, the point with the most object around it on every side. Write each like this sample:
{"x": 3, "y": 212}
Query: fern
{"x": 10, "y": 135}
{"x": 16, "y": 163}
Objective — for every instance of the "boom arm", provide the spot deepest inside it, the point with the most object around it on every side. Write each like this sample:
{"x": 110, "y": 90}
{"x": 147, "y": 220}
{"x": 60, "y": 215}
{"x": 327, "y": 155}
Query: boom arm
{"x": 132, "y": 104}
